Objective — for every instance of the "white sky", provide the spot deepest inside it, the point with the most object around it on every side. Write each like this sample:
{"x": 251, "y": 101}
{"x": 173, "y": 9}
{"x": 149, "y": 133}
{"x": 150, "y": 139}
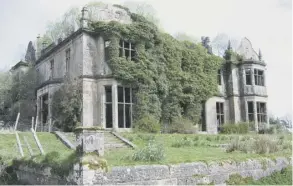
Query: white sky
{"x": 266, "y": 23}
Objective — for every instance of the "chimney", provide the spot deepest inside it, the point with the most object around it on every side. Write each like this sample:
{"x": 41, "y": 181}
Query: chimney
{"x": 84, "y": 18}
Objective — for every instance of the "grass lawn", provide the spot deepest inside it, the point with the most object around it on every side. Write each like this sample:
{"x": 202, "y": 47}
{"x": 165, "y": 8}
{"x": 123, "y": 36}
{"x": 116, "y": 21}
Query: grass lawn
{"x": 49, "y": 142}
{"x": 205, "y": 150}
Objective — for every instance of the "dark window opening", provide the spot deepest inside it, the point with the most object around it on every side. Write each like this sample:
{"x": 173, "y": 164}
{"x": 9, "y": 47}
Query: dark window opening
{"x": 108, "y": 105}
{"x": 250, "y": 111}
{"x": 44, "y": 108}
{"x": 220, "y": 113}
{"x": 259, "y": 77}
{"x": 219, "y": 77}
{"x": 67, "y": 60}
{"x": 124, "y": 107}
{"x": 52, "y": 69}
{"x": 127, "y": 49}
{"x": 248, "y": 76}
{"x": 261, "y": 112}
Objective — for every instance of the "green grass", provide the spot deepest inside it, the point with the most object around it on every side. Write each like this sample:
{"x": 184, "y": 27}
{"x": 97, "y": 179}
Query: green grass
{"x": 203, "y": 152}
{"x": 283, "y": 177}
{"x": 49, "y": 142}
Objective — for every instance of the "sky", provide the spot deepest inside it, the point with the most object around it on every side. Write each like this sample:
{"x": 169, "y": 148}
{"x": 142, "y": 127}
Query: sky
{"x": 266, "y": 23}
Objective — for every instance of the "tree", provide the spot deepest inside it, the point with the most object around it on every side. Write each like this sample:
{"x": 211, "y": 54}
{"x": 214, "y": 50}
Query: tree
{"x": 220, "y": 44}
{"x": 5, "y": 86}
{"x": 67, "y": 105}
{"x": 144, "y": 9}
{"x": 181, "y": 36}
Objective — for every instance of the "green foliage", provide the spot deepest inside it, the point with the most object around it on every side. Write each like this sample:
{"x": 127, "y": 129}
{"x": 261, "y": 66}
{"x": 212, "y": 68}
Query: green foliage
{"x": 283, "y": 177}
{"x": 184, "y": 142}
{"x": 171, "y": 78}
{"x": 265, "y": 144}
{"x": 239, "y": 128}
{"x": 150, "y": 153}
{"x": 181, "y": 125}
{"x": 67, "y": 105}
{"x": 147, "y": 124}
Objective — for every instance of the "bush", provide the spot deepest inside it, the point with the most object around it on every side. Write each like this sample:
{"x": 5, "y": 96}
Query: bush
{"x": 150, "y": 153}
{"x": 184, "y": 142}
{"x": 264, "y": 144}
{"x": 147, "y": 124}
{"x": 237, "y": 144}
{"x": 239, "y": 128}
{"x": 181, "y": 125}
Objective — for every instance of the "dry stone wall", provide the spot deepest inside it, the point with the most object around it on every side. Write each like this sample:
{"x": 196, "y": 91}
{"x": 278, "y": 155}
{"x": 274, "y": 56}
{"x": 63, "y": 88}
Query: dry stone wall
{"x": 181, "y": 174}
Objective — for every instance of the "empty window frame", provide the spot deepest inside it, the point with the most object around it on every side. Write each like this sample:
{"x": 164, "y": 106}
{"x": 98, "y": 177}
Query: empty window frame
{"x": 261, "y": 112}
{"x": 108, "y": 106}
{"x": 127, "y": 49}
{"x": 248, "y": 75}
{"x": 67, "y": 60}
{"x": 219, "y": 77}
{"x": 259, "y": 77}
{"x": 52, "y": 69}
{"x": 124, "y": 107}
{"x": 250, "y": 111}
{"x": 220, "y": 113}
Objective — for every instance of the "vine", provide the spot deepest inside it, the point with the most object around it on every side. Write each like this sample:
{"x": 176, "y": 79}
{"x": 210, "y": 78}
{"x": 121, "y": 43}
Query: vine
{"x": 170, "y": 78}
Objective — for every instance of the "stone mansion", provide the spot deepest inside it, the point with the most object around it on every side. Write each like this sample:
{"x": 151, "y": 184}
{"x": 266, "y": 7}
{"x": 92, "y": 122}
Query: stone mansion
{"x": 108, "y": 104}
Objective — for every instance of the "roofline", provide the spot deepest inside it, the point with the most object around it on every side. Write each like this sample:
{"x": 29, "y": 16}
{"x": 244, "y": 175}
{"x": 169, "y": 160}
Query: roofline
{"x": 63, "y": 42}
{"x": 20, "y": 63}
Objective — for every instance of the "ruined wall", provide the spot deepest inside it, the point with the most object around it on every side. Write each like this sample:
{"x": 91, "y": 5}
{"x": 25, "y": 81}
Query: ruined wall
{"x": 180, "y": 174}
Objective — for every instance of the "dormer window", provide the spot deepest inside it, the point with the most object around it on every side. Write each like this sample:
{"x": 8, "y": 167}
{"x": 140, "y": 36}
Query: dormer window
{"x": 259, "y": 77}
{"x": 127, "y": 49}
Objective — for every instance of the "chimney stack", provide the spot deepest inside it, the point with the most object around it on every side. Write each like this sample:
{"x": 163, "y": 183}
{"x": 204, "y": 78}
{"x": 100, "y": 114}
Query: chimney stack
{"x": 38, "y": 48}
{"x": 84, "y": 18}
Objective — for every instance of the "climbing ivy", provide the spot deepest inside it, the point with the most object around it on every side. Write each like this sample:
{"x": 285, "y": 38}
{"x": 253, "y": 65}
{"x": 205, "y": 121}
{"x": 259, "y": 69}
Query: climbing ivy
{"x": 171, "y": 78}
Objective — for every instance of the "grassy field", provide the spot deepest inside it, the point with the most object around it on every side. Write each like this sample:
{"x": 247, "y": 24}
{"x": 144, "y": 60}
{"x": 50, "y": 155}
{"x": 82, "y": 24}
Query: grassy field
{"x": 204, "y": 148}
{"x": 50, "y": 143}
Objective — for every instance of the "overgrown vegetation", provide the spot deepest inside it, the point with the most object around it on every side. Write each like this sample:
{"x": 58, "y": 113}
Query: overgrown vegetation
{"x": 283, "y": 177}
{"x": 171, "y": 78}
{"x": 238, "y": 128}
{"x": 67, "y": 105}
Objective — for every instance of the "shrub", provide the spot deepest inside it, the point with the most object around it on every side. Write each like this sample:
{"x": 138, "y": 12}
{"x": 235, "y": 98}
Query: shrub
{"x": 264, "y": 144}
{"x": 196, "y": 138}
{"x": 184, "y": 142}
{"x": 147, "y": 124}
{"x": 181, "y": 125}
{"x": 239, "y": 128}
{"x": 151, "y": 152}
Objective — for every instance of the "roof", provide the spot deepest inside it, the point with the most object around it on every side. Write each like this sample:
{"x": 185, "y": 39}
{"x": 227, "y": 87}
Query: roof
{"x": 19, "y": 64}
{"x": 245, "y": 49}
{"x": 52, "y": 48}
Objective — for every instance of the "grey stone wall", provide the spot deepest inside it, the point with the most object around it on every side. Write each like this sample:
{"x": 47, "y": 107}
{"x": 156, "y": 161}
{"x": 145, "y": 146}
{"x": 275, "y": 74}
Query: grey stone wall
{"x": 181, "y": 174}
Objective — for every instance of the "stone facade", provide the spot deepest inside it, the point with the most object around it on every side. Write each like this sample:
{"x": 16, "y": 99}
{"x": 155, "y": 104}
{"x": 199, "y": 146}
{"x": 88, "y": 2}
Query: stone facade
{"x": 242, "y": 97}
{"x": 83, "y": 55}
{"x": 181, "y": 174}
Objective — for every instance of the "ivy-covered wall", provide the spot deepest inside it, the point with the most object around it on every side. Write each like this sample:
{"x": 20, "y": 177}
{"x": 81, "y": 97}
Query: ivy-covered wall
{"x": 171, "y": 78}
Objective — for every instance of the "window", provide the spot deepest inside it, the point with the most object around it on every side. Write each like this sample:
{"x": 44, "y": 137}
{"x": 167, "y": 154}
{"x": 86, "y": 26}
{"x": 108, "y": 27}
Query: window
{"x": 261, "y": 112}
{"x": 259, "y": 77}
{"x": 67, "y": 60}
{"x": 250, "y": 111}
{"x": 219, "y": 77}
{"x": 124, "y": 107}
{"x": 51, "y": 68}
{"x": 126, "y": 49}
{"x": 248, "y": 76}
{"x": 220, "y": 113}
{"x": 108, "y": 106}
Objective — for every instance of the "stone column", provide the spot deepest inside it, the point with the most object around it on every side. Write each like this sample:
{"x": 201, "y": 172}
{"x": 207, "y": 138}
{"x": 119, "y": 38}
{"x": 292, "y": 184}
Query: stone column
{"x": 115, "y": 106}
{"x": 255, "y": 116}
{"x": 90, "y": 149}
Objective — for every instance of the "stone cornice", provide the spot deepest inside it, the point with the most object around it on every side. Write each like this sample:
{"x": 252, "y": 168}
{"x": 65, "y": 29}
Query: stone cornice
{"x": 49, "y": 82}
